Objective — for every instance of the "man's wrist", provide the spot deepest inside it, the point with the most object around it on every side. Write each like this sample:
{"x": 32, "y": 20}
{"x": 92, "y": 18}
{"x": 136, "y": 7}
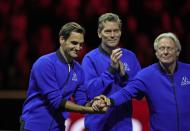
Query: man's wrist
{"x": 112, "y": 70}
{"x": 112, "y": 102}
{"x": 125, "y": 77}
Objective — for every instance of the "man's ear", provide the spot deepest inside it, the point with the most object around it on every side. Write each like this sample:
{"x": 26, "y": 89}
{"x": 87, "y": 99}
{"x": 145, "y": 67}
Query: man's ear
{"x": 99, "y": 35}
{"x": 61, "y": 40}
{"x": 178, "y": 52}
{"x": 156, "y": 53}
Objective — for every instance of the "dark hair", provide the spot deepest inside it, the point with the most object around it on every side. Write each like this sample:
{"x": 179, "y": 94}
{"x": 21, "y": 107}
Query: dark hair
{"x": 71, "y": 27}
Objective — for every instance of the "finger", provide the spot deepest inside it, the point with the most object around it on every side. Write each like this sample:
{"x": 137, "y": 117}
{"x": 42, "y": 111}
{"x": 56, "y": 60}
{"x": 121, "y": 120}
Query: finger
{"x": 116, "y": 56}
{"x": 121, "y": 68}
{"x": 121, "y": 64}
{"x": 108, "y": 102}
{"x": 95, "y": 106}
{"x": 116, "y": 50}
{"x": 103, "y": 97}
{"x": 98, "y": 97}
{"x": 105, "y": 109}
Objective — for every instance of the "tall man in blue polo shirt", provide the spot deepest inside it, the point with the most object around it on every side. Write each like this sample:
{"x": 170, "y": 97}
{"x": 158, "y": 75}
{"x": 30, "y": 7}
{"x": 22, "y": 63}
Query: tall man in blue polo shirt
{"x": 107, "y": 69}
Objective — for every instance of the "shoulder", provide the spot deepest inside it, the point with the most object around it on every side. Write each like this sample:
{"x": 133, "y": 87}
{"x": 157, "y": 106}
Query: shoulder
{"x": 128, "y": 52}
{"x": 92, "y": 55}
{"x": 45, "y": 60}
{"x": 184, "y": 66}
{"x": 92, "y": 52}
{"x": 148, "y": 71}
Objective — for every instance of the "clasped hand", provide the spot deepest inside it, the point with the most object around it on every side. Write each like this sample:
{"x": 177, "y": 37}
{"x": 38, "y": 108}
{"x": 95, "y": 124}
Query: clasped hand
{"x": 115, "y": 61}
{"x": 101, "y": 103}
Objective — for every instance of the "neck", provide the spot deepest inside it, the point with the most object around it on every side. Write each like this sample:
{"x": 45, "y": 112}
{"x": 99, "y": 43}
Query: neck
{"x": 169, "y": 68}
{"x": 107, "y": 49}
{"x": 66, "y": 57}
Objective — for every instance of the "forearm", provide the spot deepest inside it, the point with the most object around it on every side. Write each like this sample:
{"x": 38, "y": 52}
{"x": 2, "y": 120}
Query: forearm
{"x": 120, "y": 97}
{"x": 133, "y": 89}
{"x": 72, "y": 107}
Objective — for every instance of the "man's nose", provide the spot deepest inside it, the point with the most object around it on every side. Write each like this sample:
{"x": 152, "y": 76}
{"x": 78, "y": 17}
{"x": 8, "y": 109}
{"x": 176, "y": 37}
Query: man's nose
{"x": 112, "y": 34}
{"x": 166, "y": 50}
{"x": 78, "y": 47}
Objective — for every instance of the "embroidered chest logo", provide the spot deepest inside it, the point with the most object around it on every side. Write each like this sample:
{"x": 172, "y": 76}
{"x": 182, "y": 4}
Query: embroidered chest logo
{"x": 74, "y": 77}
{"x": 185, "y": 81}
{"x": 126, "y": 67}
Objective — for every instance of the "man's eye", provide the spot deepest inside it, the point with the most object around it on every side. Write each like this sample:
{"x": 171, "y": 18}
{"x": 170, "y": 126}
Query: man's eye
{"x": 107, "y": 31}
{"x": 116, "y": 30}
{"x": 161, "y": 48}
{"x": 74, "y": 42}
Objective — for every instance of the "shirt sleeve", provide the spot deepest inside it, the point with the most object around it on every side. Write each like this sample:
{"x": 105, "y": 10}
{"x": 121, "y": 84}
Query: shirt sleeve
{"x": 80, "y": 94}
{"x": 96, "y": 84}
{"x": 44, "y": 73}
{"x": 133, "y": 89}
{"x": 135, "y": 66}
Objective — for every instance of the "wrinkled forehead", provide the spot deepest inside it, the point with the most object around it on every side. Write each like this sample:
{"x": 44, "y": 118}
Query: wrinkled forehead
{"x": 166, "y": 41}
{"x": 111, "y": 25}
{"x": 75, "y": 36}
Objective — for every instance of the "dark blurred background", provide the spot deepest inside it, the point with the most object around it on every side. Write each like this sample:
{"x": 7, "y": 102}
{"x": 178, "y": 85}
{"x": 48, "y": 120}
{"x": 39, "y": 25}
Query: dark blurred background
{"x": 29, "y": 29}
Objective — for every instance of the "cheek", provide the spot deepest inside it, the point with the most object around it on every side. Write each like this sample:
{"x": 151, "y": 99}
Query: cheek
{"x": 105, "y": 37}
{"x": 157, "y": 55}
{"x": 118, "y": 35}
{"x": 65, "y": 48}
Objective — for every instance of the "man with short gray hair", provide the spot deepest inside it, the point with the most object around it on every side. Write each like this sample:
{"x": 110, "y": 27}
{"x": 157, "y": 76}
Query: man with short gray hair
{"x": 166, "y": 86}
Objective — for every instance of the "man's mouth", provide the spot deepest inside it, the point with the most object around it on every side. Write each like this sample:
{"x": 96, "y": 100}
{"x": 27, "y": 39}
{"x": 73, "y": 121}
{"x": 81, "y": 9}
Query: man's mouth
{"x": 112, "y": 41}
{"x": 76, "y": 52}
{"x": 166, "y": 58}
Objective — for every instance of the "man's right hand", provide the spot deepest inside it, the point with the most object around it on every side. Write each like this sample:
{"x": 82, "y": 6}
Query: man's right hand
{"x": 115, "y": 58}
{"x": 101, "y": 103}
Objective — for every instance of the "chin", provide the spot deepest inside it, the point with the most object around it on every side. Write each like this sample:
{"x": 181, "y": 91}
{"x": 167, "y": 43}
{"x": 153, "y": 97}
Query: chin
{"x": 113, "y": 45}
{"x": 75, "y": 56}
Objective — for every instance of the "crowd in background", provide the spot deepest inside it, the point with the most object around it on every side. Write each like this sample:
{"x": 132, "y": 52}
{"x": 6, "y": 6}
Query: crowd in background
{"x": 29, "y": 29}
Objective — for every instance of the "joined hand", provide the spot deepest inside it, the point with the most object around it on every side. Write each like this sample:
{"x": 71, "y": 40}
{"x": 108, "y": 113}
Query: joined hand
{"x": 101, "y": 103}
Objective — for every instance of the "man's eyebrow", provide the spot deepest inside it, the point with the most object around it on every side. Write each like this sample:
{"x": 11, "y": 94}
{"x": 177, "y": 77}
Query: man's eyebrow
{"x": 74, "y": 42}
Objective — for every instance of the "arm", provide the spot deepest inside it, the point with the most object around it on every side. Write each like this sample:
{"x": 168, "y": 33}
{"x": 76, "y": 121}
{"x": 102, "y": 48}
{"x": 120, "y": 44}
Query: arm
{"x": 96, "y": 83}
{"x": 47, "y": 84}
{"x": 80, "y": 97}
{"x": 44, "y": 74}
{"x": 80, "y": 94}
{"x": 72, "y": 107}
{"x": 100, "y": 77}
{"x": 134, "y": 89}
{"x": 127, "y": 73}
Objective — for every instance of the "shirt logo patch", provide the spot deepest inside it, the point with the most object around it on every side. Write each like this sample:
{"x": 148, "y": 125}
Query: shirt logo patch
{"x": 126, "y": 66}
{"x": 74, "y": 77}
{"x": 185, "y": 81}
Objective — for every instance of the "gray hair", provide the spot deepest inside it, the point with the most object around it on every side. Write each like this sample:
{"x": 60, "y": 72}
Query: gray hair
{"x": 108, "y": 17}
{"x": 167, "y": 35}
